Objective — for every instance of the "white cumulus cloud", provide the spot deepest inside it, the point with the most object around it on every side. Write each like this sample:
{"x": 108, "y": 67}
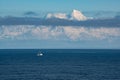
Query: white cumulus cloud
{"x": 57, "y": 15}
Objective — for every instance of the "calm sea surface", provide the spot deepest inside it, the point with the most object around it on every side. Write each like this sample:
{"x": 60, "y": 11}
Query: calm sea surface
{"x": 59, "y": 64}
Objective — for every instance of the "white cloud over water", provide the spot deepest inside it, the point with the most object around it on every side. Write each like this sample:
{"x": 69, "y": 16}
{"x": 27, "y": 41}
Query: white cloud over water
{"x": 73, "y": 33}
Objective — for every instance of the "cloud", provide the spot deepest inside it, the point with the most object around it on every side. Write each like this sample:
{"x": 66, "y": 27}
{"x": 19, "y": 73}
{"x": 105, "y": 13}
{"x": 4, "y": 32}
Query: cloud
{"x": 82, "y": 33}
{"x": 13, "y": 31}
{"x": 43, "y": 32}
{"x": 57, "y": 15}
{"x": 117, "y": 16}
{"x": 72, "y": 33}
{"x": 75, "y": 15}
{"x": 102, "y": 33}
{"x": 59, "y": 22}
{"x": 30, "y": 13}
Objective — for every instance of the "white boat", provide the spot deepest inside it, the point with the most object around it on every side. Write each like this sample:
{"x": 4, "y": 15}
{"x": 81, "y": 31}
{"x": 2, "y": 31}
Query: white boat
{"x": 40, "y": 54}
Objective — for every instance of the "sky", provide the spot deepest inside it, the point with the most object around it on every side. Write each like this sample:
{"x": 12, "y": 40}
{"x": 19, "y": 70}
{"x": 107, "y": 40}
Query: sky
{"x": 59, "y": 5}
{"x": 65, "y": 37}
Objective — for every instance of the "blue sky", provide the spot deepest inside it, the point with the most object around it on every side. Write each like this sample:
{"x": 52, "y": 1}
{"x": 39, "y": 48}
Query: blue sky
{"x": 59, "y": 5}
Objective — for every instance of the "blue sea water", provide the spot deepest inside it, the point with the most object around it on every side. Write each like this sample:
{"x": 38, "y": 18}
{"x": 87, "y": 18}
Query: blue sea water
{"x": 59, "y": 64}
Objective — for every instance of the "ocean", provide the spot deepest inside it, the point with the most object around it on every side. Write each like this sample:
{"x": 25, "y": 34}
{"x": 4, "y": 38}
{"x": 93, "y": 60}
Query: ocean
{"x": 60, "y": 64}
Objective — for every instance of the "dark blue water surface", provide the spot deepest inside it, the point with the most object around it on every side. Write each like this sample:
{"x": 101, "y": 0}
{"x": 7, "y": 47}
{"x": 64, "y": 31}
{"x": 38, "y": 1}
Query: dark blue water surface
{"x": 59, "y": 64}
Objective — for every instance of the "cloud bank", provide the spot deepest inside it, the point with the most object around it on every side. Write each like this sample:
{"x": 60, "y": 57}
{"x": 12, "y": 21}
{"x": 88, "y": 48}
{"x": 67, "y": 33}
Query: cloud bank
{"x": 72, "y": 33}
{"x": 76, "y": 18}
